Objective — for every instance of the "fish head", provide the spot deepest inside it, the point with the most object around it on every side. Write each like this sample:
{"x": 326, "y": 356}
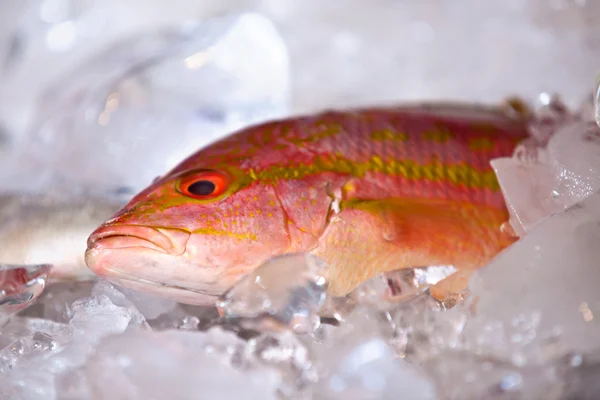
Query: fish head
{"x": 191, "y": 234}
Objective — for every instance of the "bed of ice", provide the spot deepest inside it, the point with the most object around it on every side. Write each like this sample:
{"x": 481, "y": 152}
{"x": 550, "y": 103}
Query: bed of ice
{"x": 103, "y": 96}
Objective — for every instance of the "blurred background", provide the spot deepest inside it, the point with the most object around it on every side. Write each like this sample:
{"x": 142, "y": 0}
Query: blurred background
{"x": 109, "y": 94}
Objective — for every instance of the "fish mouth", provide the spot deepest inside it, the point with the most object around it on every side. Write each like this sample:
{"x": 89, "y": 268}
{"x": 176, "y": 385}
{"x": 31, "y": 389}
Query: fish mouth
{"x": 164, "y": 240}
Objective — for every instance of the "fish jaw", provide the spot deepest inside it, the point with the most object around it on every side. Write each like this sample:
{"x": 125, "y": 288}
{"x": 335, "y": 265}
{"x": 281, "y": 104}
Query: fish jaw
{"x": 153, "y": 260}
{"x": 168, "y": 262}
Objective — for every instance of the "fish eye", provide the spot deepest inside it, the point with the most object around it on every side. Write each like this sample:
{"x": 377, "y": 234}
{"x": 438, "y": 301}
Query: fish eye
{"x": 204, "y": 185}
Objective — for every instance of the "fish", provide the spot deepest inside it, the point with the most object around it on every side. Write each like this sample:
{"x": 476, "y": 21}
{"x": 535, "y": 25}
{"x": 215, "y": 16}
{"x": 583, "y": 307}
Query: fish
{"x": 368, "y": 190}
{"x": 52, "y": 228}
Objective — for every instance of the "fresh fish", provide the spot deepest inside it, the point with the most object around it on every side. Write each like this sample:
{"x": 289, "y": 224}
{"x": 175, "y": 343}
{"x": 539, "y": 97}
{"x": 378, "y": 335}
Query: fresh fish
{"x": 368, "y": 190}
{"x": 52, "y": 229}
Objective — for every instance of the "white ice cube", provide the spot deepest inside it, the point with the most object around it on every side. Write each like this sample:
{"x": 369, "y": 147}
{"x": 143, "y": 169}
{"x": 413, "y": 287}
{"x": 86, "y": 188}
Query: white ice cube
{"x": 553, "y": 272}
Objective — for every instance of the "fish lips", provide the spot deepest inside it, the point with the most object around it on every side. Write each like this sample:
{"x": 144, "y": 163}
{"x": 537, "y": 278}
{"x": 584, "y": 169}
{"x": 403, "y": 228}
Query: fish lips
{"x": 165, "y": 240}
{"x": 150, "y": 260}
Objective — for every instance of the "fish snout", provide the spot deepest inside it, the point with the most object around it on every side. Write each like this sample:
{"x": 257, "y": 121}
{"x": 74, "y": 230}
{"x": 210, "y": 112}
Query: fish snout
{"x": 165, "y": 240}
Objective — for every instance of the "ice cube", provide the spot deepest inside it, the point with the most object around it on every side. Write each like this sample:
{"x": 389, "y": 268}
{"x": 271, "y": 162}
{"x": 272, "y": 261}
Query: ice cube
{"x": 285, "y": 292}
{"x": 20, "y": 285}
{"x": 575, "y": 156}
{"x": 161, "y": 96}
{"x": 400, "y": 285}
{"x": 97, "y": 316}
{"x": 566, "y": 172}
{"x": 528, "y": 190}
{"x": 552, "y": 272}
{"x": 181, "y": 365}
{"x": 118, "y": 298}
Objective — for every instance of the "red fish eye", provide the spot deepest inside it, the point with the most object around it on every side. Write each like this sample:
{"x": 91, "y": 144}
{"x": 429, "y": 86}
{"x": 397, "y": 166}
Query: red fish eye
{"x": 204, "y": 184}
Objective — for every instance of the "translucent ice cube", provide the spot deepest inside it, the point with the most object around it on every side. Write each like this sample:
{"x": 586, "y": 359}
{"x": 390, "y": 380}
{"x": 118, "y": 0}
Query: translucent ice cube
{"x": 97, "y": 316}
{"x": 551, "y": 272}
{"x": 187, "y": 318}
{"x": 400, "y": 285}
{"x": 574, "y": 152}
{"x": 566, "y": 172}
{"x": 286, "y": 291}
{"x": 20, "y": 285}
{"x": 153, "y": 99}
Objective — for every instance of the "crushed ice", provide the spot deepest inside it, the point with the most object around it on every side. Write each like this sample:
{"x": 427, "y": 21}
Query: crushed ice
{"x": 528, "y": 329}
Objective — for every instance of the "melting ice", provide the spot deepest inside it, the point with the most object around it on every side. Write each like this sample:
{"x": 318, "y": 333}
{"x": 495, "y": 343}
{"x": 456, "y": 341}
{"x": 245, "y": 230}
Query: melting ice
{"x": 528, "y": 329}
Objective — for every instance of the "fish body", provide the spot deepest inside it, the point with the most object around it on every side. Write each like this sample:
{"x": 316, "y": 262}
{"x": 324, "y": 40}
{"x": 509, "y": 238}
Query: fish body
{"x": 51, "y": 228}
{"x": 368, "y": 190}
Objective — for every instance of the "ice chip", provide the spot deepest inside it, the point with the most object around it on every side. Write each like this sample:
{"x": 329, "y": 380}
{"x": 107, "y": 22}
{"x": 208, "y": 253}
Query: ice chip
{"x": 187, "y": 317}
{"x": 95, "y": 317}
{"x": 400, "y": 285}
{"x": 285, "y": 292}
{"x": 553, "y": 272}
{"x": 290, "y": 357}
{"x": 422, "y": 328}
{"x": 189, "y": 323}
{"x": 20, "y": 285}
